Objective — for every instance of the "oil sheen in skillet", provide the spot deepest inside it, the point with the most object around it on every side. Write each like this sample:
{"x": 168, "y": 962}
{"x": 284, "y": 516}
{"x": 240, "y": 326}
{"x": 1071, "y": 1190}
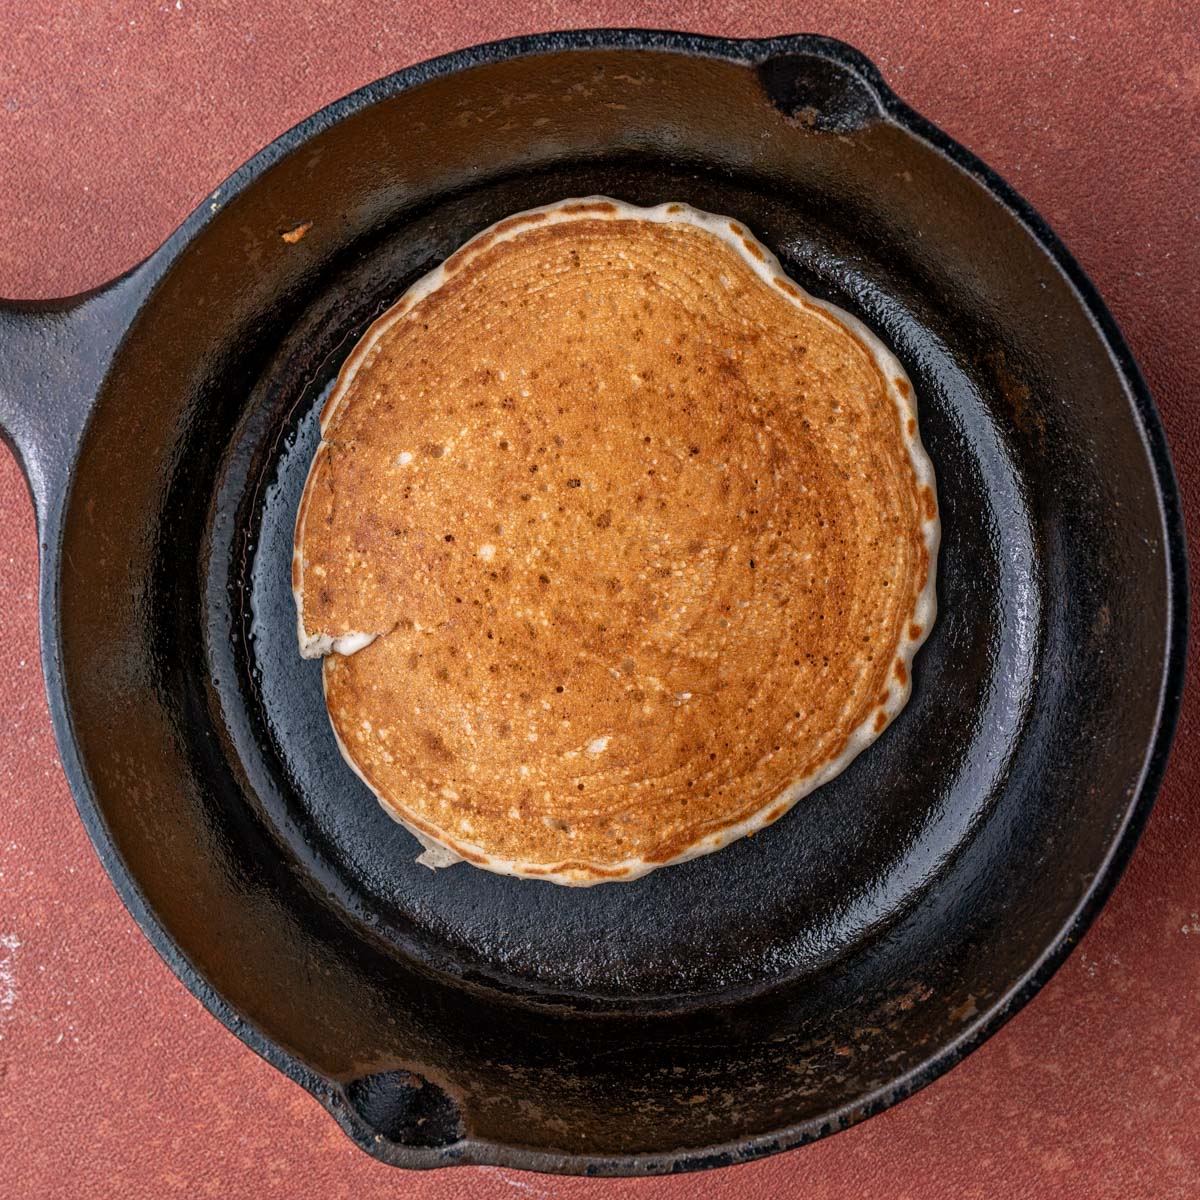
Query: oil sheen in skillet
{"x": 617, "y": 544}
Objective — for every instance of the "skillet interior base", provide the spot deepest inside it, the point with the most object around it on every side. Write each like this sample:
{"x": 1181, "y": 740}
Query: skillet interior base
{"x": 789, "y": 901}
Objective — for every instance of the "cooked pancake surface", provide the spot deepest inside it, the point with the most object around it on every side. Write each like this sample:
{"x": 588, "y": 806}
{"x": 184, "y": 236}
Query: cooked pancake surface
{"x": 617, "y": 542}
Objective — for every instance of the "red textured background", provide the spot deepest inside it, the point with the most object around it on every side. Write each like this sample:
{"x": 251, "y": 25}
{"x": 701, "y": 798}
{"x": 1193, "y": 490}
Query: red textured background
{"x": 115, "y": 120}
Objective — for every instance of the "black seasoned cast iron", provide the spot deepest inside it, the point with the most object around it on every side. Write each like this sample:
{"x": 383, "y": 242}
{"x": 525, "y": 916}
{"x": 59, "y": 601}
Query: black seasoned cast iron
{"x": 761, "y": 997}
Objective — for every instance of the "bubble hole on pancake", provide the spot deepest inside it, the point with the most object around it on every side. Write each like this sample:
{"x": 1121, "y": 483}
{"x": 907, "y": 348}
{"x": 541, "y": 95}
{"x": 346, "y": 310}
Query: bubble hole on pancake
{"x": 617, "y": 543}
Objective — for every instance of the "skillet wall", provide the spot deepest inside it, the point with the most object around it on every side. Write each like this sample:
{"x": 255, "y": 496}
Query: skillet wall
{"x": 1003, "y": 344}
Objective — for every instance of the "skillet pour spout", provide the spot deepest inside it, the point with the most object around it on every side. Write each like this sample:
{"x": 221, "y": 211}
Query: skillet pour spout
{"x": 795, "y": 982}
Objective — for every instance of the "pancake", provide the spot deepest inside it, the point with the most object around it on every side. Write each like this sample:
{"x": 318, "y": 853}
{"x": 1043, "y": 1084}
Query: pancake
{"x": 617, "y": 544}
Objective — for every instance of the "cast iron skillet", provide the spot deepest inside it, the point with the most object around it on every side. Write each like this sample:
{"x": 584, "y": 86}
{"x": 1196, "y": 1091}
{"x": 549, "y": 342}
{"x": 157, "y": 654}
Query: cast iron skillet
{"x": 772, "y": 993}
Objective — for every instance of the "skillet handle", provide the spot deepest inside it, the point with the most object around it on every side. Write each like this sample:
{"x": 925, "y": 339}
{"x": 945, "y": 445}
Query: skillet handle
{"x": 54, "y": 355}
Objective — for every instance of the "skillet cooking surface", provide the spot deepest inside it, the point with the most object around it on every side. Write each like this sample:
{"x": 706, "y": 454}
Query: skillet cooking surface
{"x": 767, "y": 994}
{"x": 792, "y": 899}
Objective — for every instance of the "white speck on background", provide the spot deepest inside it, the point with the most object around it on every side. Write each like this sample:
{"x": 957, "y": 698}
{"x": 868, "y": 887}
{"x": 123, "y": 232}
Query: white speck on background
{"x": 519, "y": 1184}
{"x": 9, "y": 945}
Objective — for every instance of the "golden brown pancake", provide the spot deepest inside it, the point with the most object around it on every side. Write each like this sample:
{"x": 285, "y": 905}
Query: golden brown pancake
{"x": 617, "y": 541}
